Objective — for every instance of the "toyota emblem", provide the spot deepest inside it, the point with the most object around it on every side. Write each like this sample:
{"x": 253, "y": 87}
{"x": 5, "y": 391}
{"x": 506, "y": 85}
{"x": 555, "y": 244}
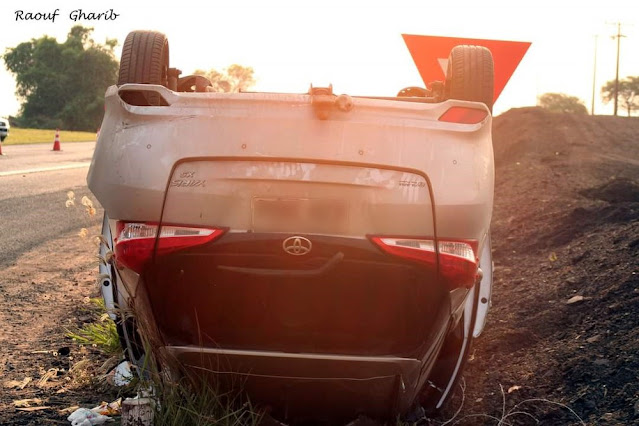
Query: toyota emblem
{"x": 297, "y": 246}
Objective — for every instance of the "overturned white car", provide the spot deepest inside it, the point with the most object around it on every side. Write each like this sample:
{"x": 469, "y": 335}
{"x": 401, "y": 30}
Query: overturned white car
{"x": 331, "y": 252}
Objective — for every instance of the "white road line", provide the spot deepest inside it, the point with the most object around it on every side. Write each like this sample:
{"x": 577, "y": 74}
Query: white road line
{"x": 46, "y": 169}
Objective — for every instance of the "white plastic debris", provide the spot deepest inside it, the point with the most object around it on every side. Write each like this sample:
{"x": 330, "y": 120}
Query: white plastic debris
{"x": 86, "y": 417}
{"x": 122, "y": 375}
{"x": 109, "y": 408}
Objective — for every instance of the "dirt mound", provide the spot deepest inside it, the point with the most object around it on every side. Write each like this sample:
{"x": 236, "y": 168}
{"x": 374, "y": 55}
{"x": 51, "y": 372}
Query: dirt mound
{"x": 583, "y": 220}
{"x": 565, "y": 224}
{"x": 616, "y": 191}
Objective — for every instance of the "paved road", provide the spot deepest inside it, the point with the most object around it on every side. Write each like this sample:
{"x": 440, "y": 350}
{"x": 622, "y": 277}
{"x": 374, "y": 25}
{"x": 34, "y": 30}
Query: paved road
{"x": 29, "y": 158}
{"x": 34, "y": 182}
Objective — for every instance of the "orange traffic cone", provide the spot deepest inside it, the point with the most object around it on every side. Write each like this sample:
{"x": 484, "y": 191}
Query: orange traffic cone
{"x": 56, "y": 141}
{"x": 1, "y": 149}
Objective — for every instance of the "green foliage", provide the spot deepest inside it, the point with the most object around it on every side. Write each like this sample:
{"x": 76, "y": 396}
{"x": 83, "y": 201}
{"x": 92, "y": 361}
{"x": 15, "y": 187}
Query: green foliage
{"x": 235, "y": 78}
{"x": 62, "y": 84}
{"x": 560, "y": 102}
{"x": 102, "y": 332}
{"x": 628, "y": 93}
{"x": 20, "y": 136}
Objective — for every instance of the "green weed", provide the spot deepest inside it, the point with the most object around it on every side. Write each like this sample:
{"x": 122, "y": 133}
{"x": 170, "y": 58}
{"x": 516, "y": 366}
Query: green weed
{"x": 101, "y": 333}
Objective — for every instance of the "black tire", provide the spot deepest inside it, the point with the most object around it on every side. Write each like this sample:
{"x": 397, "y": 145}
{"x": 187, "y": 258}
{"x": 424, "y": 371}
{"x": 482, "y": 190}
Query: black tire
{"x": 470, "y": 75}
{"x": 145, "y": 60}
{"x": 2, "y": 138}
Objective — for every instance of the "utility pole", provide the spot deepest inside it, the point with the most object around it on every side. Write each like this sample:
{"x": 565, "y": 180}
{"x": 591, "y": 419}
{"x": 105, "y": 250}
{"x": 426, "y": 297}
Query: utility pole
{"x": 618, "y": 37}
{"x": 594, "y": 79}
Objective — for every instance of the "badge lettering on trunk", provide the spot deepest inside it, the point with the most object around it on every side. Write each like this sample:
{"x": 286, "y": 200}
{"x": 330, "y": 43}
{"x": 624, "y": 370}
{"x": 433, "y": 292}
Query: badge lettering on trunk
{"x": 187, "y": 183}
{"x": 297, "y": 246}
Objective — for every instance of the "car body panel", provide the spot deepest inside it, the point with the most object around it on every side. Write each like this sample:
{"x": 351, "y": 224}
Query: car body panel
{"x": 257, "y": 195}
{"x": 484, "y": 287}
{"x": 300, "y": 384}
{"x": 142, "y": 145}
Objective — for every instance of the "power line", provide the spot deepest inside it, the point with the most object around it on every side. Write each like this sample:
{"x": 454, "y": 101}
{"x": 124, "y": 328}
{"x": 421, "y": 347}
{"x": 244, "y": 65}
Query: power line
{"x": 618, "y": 37}
{"x": 594, "y": 78}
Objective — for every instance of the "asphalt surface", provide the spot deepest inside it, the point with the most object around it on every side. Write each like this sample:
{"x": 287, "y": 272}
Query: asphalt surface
{"x": 34, "y": 182}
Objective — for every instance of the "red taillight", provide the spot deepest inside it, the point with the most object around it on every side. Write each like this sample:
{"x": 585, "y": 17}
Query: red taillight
{"x": 457, "y": 259}
{"x": 135, "y": 242}
{"x": 464, "y": 115}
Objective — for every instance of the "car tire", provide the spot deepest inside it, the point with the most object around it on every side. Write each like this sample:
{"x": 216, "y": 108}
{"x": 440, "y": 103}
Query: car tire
{"x": 2, "y": 138}
{"x": 144, "y": 60}
{"x": 470, "y": 75}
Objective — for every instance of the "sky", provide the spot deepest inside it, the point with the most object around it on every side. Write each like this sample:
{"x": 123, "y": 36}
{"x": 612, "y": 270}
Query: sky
{"x": 357, "y": 45}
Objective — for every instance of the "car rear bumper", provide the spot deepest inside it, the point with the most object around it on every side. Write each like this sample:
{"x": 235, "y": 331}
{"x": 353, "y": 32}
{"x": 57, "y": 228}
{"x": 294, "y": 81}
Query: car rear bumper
{"x": 310, "y": 385}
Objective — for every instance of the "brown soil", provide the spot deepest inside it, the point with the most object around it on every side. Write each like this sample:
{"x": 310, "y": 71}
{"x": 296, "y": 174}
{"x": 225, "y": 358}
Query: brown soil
{"x": 566, "y": 223}
{"x": 43, "y": 297}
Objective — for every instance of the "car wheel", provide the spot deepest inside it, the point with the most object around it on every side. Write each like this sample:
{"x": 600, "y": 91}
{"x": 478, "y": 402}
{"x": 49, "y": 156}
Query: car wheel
{"x": 2, "y": 138}
{"x": 144, "y": 60}
{"x": 447, "y": 372}
{"x": 470, "y": 75}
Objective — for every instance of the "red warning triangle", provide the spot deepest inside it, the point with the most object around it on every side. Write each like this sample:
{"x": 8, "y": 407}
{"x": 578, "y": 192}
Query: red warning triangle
{"x": 430, "y": 54}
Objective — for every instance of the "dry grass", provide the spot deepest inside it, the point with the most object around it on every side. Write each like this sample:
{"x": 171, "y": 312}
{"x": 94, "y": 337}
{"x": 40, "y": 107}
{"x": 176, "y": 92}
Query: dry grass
{"x": 200, "y": 403}
{"x": 507, "y": 416}
{"x": 18, "y": 136}
{"x": 185, "y": 397}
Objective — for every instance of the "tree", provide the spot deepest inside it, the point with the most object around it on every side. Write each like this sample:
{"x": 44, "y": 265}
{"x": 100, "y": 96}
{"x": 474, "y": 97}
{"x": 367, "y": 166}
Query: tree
{"x": 62, "y": 84}
{"x": 235, "y": 78}
{"x": 560, "y": 102}
{"x": 628, "y": 93}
